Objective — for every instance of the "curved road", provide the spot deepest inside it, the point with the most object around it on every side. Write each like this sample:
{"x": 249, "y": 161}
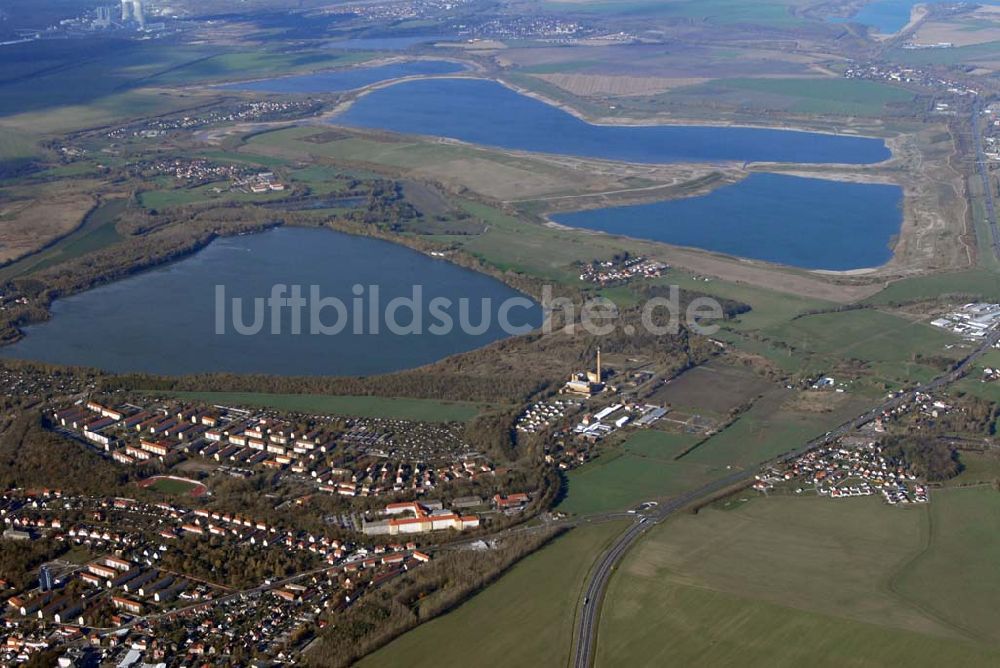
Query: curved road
{"x": 590, "y": 605}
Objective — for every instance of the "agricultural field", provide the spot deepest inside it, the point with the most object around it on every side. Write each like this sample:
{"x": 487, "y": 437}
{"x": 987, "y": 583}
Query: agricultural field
{"x": 804, "y": 96}
{"x": 746, "y": 585}
{"x": 985, "y": 55}
{"x": 721, "y": 12}
{"x": 28, "y": 225}
{"x": 768, "y": 307}
{"x": 955, "y": 577}
{"x": 865, "y": 334}
{"x": 16, "y": 151}
{"x": 586, "y": 85}
{"x": 83, "y": 83}
{"x": 621, "y": 478}
{"x": 982, "y": 25}
{"x": 429, "y": 410}
{"x": 972, "y": 284}
{"x": 83, "y": 71}
{"x": 524, "y": 619}
{"x": 97, "y": 231}
{"x": 657, "y": 444}
{"x": 775, "y": 424}
{"x": 713, "y": 389}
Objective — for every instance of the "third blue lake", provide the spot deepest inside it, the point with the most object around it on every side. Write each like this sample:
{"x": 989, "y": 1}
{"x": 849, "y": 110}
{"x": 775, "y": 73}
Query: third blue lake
{"x": 807, "y": 223}
{"x": 886, "y": 16}
{"x": 334, "y": 81}
{"x": 889, "y": 16}
{"x": 488, "y": 113}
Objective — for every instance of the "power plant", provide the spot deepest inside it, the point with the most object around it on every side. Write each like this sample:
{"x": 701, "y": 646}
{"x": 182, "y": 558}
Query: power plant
{"x": 103, "y": 19}
{"x": 132, "y": 12}
{"x": 587, "y": 383}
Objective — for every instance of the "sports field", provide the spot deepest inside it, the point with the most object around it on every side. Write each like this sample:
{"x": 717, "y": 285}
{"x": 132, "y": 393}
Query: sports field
{"x": 526, "y": 618}
{"x": 793, "y": 581}
{"x": 429, "y": 410}
{"x": 174, "y": 486}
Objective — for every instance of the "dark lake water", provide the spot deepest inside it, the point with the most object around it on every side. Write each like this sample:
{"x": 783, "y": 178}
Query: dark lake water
{"x": 349, "y": 79}
{"x": 808, "y": 223}
{"x": 485, "y": 112}
{"x": 164, "y": 320}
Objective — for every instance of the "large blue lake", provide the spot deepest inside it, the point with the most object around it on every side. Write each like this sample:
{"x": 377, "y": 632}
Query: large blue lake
{"x": 164, "y": 320}
{"x": 808, "y": 223}
{"x": 349, "y": 79}
{"x": 485, "y": 112}
{"x": 885, "y": 16}
{"x": 890, "y": 16}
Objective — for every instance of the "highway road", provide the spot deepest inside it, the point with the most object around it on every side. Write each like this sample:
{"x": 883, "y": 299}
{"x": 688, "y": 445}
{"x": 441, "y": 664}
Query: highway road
{"x": 590, "y": 605}
{"x": 984, "y": 175}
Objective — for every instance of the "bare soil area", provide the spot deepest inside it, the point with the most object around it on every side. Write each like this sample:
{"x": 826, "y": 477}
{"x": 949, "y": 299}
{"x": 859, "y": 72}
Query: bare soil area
{"x": 29, "y": 225}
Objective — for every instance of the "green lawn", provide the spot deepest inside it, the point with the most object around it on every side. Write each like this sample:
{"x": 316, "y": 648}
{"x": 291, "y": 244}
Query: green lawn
{"x": 524, "y": 619}
{"x": 429, "y": 410}
{"x": 793, "y": 581}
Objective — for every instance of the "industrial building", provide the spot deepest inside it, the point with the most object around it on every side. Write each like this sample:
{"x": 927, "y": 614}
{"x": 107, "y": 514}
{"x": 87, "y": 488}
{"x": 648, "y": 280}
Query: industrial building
{"x": 587, "y": 383}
